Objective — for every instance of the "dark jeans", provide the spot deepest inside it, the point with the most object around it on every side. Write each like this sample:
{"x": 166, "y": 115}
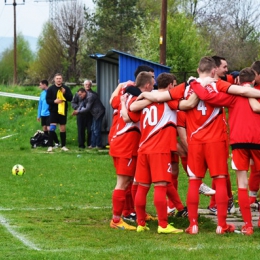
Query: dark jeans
{"x": 96, "y": 138}
{"x": 84, "y": 122}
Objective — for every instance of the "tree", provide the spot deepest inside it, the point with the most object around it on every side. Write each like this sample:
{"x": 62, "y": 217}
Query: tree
{"x": 184, "y": 47}
{"x": 69, "y": 25}
{"x": 112, "y": 25}
{"x": 24, "y": 58}
{"x": 51, "y": 57}
{"x": 232, "y": 27}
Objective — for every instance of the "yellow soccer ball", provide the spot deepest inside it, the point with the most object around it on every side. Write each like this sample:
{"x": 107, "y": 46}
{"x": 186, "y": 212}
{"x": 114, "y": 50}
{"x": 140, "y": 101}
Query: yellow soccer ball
{"x": 18, "y": 169}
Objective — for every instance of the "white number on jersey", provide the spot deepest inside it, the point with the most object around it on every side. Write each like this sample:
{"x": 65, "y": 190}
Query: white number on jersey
{"x": 169, "y": 168}
{"x": 151, "y": 116}
{"x": 201, "y": 107}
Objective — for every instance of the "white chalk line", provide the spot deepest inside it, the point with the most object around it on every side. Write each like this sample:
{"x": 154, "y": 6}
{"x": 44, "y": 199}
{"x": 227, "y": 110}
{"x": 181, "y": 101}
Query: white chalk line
{"x": 20, "y": 237}
{"x": 54, "y": 208}
{"x": 4, "y": 222}
{"x": 7, "y": 136}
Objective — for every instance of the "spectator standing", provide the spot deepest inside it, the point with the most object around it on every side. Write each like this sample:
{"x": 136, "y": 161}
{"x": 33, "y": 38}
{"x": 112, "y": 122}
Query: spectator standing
{"x": 88, "y": 88}
{"x": 58, "y": 96}
{"x": 84, "y": 120}
{"x": 92, "y": 104}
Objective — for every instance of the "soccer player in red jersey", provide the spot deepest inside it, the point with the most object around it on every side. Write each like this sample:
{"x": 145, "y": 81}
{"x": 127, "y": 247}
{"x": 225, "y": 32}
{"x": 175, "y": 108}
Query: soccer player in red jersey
{"x": 211, "y": 132}
{"x": 254, "y": 177}
{"x": 223, "y": 81}
{"x": 244, "y": 136}
{"x": 123, "y": 148}
{"x": 157, "y": 123}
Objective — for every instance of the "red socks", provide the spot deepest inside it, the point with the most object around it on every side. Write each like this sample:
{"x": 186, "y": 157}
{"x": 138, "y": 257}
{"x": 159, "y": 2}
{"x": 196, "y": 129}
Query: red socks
{"x": 140, "y": 204}
{"x": 174, "y": 197}
{"x": 129, "y": 204}
{"x": 160, "y": 204}
{"x": 244, "y": 205}
{"x": 118, "y": 201}
{"x": 221, "y": 200}
{"x": 193, "y": 200}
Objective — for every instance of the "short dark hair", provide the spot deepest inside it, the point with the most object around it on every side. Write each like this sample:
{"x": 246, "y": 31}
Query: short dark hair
{"x": 57, "y": 74}
{"x": 164, "y": 79}
{"x": 218, "y": 59}
{"x": 256, "y": 66}
{"x": 246, "y": 75}
{"x": 45, "y": 82}
{"x": 143, "y": 68}
{"x": 81, "y": 90}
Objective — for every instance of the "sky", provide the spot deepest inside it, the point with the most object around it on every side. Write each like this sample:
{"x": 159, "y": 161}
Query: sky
{"x": 30, "y": 17}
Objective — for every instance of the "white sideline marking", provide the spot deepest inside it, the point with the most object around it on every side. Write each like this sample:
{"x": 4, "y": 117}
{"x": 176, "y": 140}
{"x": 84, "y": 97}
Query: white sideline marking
{"x": 20, "y": 237}
{"x": 57, "y": 208}
{"x": 4, "y": 137}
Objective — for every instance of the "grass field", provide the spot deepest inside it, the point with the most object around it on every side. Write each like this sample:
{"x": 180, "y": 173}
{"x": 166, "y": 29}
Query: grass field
{"x": 61, "y": 207}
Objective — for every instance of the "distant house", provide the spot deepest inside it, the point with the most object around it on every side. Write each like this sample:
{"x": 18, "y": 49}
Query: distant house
{"x": 113, "y": 68}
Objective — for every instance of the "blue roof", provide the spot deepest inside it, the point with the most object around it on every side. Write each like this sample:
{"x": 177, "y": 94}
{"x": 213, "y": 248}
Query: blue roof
{"x": 128, "y": 63}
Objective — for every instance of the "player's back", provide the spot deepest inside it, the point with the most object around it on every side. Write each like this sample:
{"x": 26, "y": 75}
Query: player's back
{"x": 205, "y": 122}
{"x": 158, "y": 129}
{"x": 126, "y": 136}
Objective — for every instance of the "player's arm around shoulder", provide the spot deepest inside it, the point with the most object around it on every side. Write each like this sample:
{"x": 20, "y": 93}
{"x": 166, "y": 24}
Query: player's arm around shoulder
{"x": 191, "y": 102}
{"x": 255, "y": 105}
{"x": 138, "y": 105}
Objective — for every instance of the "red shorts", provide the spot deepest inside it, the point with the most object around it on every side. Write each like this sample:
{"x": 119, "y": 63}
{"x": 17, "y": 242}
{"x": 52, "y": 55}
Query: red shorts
{"x": 153, "y": 168}
{"x": 125, "y": 166}
{"x": 212, "y": 156}
{"x": 241, "y": 159}
{"x": 174, "y": 158}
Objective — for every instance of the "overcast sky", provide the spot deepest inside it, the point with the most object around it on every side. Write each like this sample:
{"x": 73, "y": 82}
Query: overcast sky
{"x": 30, "y": 17}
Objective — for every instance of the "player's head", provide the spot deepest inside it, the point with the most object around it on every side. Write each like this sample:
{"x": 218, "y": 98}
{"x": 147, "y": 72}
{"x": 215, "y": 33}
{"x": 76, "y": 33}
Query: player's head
{"x": 144, "y": 81}
{"x": 165, "y": 80}
{"x": 256, "y": 67}
{"x": 222, "y": 66}
{"x": 207, "y": 66}
{"x": 247, "y": 75}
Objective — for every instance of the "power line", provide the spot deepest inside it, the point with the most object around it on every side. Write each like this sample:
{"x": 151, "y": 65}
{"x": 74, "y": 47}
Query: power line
{"x": 53, "y": 7}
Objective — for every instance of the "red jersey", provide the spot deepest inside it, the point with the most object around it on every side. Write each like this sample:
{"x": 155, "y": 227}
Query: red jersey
{"x": 125, "y": 140}
{"x": 204, "y": 122}
{"x": 178, "y": 91}
{"x": 158, "y": 128}
{"x": 244, "y": 123}
{"x": 115, "y": 104}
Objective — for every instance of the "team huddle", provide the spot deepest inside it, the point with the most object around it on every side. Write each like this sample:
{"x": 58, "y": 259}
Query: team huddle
{"x": 145, "y": 148}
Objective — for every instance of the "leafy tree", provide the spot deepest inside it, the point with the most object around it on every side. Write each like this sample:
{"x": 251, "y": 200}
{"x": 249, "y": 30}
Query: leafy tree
{"x": 50, "y": 58}
{"x": 24, "y": 57}
{"x": 232, "y": 28}
{"x": 184, "y": 47}
{"x": 112, "y": 25}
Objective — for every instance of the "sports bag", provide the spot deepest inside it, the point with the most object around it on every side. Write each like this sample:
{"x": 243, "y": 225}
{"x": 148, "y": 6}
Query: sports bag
{"x": 39, "y": 139}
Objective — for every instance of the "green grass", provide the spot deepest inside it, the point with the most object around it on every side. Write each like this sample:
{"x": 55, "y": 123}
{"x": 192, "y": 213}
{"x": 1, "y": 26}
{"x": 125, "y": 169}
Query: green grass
{"x": 61, "y": 207}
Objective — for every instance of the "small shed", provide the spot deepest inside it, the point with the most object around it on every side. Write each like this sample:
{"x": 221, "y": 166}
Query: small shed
{"x": 113, "y": 68}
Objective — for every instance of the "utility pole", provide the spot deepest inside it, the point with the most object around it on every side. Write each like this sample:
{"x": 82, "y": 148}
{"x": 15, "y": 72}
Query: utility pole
{"x": 15, "y": 48}
{"x": 163, "y": 33}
